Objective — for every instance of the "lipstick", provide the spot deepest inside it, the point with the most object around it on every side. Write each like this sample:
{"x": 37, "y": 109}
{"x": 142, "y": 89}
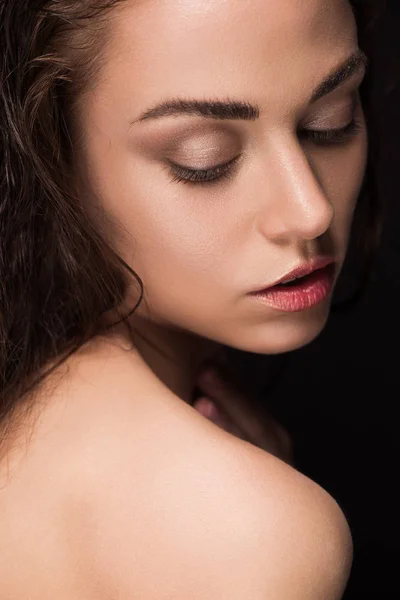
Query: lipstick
{"x": 301, "y": 289}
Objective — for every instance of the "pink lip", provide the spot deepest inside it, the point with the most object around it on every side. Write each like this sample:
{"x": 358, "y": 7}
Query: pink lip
{"x": 317, "y": 263}
{"x": 301, "y": 295}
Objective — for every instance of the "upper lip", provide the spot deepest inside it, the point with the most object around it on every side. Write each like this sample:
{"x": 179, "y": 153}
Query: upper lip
{"x": 316, "y": 263}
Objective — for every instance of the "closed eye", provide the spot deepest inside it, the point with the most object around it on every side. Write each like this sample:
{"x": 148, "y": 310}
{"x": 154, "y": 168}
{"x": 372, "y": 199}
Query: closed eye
{"x": 327, "y": 137}
{"x": 202, "y": 176}
{"x": 214, "y": 175}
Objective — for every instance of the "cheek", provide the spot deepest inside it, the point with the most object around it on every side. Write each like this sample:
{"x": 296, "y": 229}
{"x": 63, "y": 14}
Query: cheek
{"x": 159, "y": 228}
{"x": 179, "y": 255}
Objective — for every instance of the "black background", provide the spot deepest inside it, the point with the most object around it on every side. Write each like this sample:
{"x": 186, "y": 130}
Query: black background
{"x": 338, "y": 396}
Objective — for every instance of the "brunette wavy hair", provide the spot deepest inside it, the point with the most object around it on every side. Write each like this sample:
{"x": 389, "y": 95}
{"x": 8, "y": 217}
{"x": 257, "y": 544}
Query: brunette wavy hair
{"x": 58, "y": 275}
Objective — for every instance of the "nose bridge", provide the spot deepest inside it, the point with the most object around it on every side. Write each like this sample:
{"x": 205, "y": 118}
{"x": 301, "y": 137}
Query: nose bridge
{"x": 299, "y": 205}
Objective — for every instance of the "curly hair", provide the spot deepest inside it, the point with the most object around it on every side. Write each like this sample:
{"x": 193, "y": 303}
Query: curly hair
{"x": 52, "y": 299}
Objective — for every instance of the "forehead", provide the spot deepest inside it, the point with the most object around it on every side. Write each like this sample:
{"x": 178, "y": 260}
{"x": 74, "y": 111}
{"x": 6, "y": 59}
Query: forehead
{"x": 260, "y": 50}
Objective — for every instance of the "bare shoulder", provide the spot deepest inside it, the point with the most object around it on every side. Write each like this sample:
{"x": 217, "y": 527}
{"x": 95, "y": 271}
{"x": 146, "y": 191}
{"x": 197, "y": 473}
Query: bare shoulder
{"x": 215, "y": 520}
{"x": 164, "y": 504}
{"x": 178, "y": 508}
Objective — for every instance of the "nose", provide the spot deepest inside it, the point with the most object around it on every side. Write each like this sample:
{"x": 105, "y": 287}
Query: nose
{"x": 296, "y": 206}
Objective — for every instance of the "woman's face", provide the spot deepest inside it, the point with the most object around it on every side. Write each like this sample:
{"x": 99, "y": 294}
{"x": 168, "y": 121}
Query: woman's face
{"x": 201, "y": 248}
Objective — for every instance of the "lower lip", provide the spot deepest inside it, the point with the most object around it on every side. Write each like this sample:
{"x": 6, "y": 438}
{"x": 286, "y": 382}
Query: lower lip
{"x": 309, "y": 292}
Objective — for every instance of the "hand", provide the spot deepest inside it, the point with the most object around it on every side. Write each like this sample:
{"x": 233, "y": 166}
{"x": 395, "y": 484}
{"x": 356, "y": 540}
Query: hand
{"x": 227, "y": 406}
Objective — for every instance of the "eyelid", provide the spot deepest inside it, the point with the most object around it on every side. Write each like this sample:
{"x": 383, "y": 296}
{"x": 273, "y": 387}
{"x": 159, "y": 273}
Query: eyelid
{"x": 187, "y": 138}
{"x": 204, "y": 169}
{"x": 320, "y": 121}
{"x": 190, "y": 175}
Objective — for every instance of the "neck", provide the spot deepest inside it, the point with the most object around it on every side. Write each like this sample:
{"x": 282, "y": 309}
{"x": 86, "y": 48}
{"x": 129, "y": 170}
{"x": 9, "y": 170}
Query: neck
{"x": 173, "y": 355}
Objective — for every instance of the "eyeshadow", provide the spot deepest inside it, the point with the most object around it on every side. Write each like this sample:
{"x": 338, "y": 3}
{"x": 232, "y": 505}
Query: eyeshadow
{"x": 194, "y": 140}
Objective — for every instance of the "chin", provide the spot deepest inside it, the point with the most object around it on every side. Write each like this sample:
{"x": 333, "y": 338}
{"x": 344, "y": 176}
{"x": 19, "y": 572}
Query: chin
{"x": 286, "y": 333}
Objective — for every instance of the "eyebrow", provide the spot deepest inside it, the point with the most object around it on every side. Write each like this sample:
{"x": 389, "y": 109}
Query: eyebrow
{"x": 236, "y": 110}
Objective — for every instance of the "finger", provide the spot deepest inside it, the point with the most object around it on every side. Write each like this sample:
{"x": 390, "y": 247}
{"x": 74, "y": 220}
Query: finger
{"x": 233, "y": 402}
{"x": 208, "y": 409}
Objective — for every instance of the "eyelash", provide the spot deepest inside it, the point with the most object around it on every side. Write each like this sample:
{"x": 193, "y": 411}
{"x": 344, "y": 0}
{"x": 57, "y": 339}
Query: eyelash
{"x": 213, "y": 176}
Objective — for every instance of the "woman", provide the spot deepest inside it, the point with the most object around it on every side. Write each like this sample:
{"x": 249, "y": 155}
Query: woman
{"x": 168, "y": 168}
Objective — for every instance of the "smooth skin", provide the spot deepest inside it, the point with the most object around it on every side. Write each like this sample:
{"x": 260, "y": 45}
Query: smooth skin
{"x": 137, "y": 496}
{"x": 124, "y": 490}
